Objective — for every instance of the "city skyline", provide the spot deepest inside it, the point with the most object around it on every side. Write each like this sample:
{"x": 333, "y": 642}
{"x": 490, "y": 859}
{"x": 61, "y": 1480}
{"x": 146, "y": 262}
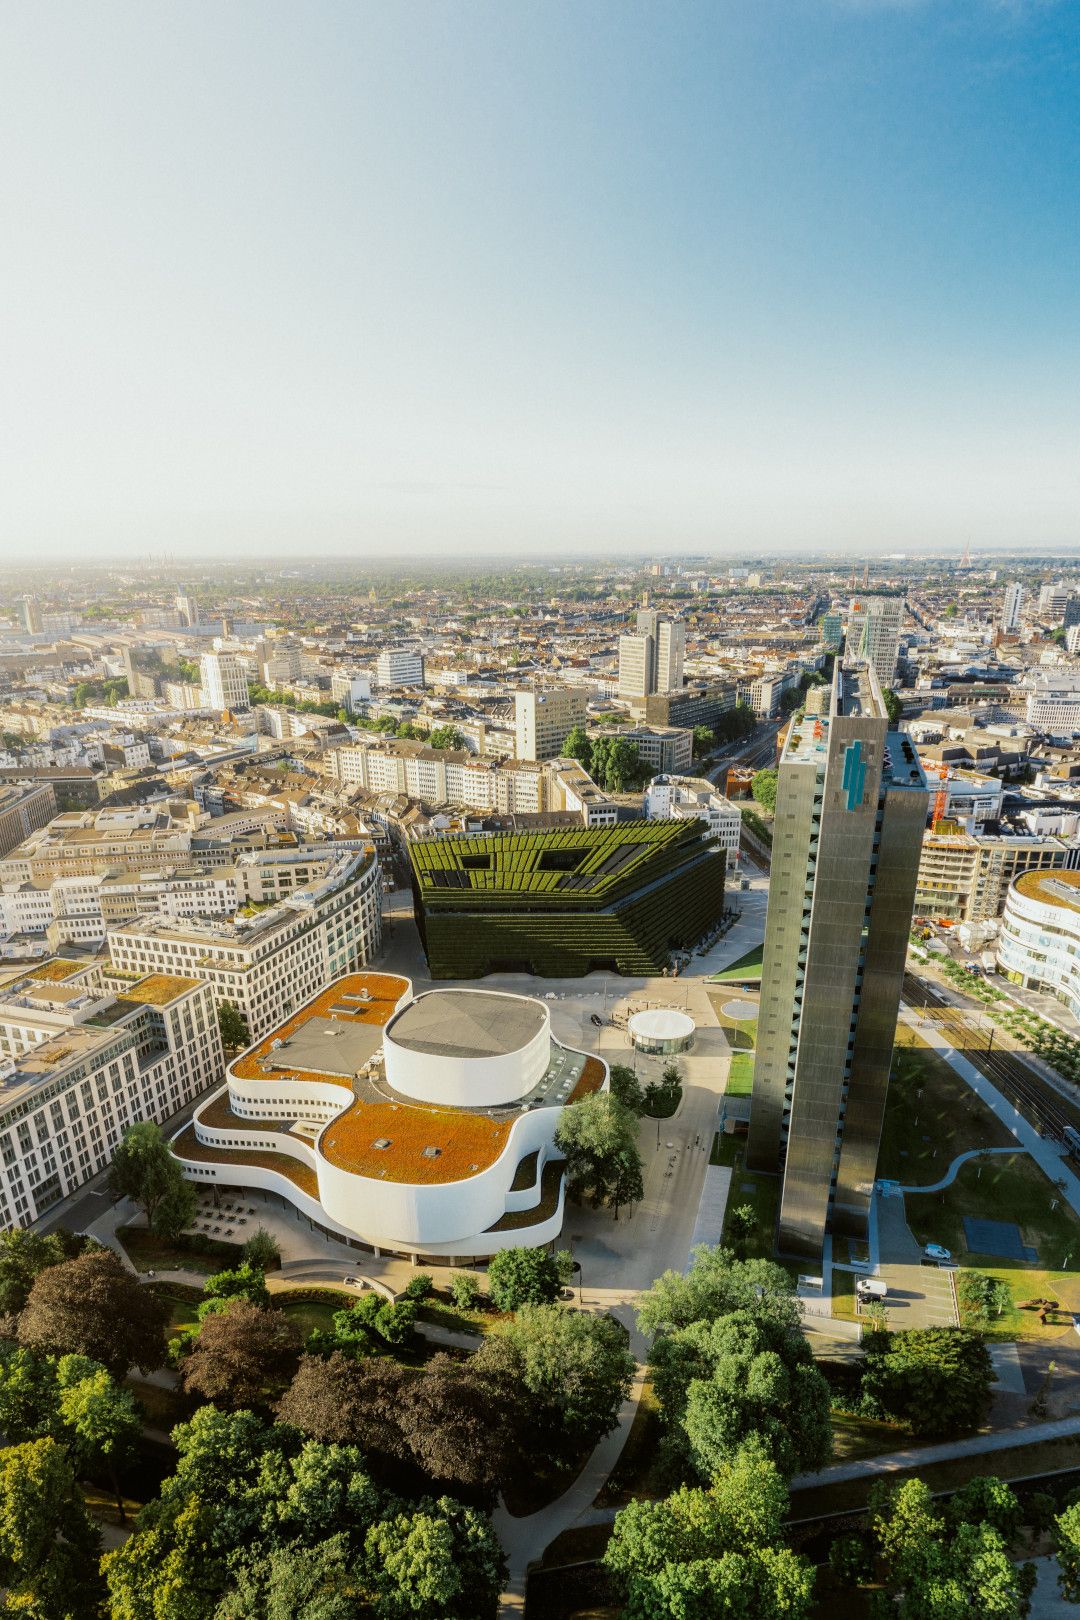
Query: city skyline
{"x": 498, "y": 280}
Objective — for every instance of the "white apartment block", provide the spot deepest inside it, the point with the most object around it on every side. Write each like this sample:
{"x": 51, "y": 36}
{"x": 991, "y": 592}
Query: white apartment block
{"x": 351, "y": 689}
{"x": 224, "y": 682}
{"x": 767, "y": 690}
{"x": 442, "y": 776}
{"x": 271, "y": 962}
{"x": 695, "y": 798}
{"x": 400, "y": 666}
{"x": 83, "y": 1055}
{"x": 543, "y": 719}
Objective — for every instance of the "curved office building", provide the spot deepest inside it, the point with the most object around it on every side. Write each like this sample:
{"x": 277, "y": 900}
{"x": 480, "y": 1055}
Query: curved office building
{"x": 1039, "y": 946}
{"x": 420, "y": 1125}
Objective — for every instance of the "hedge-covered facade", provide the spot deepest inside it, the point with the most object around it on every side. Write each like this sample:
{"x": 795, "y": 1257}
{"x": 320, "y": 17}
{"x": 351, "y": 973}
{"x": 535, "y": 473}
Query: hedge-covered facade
{"x": 563, "y": 903}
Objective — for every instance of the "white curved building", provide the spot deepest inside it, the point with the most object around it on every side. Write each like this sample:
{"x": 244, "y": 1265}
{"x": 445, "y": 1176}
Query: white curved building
{"x": 424, "y": 1126}
{"x": 1039, "y": 945}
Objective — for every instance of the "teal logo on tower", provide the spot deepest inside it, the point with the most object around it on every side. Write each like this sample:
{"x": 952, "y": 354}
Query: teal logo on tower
{"x": 854, "y": 775}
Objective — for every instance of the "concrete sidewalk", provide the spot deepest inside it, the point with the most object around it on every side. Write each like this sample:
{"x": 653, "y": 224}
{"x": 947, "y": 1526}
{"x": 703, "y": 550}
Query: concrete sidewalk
{"x": 893, "y": 1462}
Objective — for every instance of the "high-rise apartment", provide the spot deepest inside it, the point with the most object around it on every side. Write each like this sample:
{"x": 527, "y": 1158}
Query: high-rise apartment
{"x": 1010, "y": 611}
{"x": 543, "y": 719}
{"x": 187, "y": 608}
{"x": 30, "y": 614}
{"x": 873, "y": 633}
{"x": 851, "y": 805}
{"x": 670, "y": 652}
{"x": 224, "y": 682}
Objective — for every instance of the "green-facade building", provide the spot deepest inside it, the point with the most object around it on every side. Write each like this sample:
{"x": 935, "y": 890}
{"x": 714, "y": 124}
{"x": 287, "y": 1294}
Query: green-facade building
{"x": 563, "y": 903}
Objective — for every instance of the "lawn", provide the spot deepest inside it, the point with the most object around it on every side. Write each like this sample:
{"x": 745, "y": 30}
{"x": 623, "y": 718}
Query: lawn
{"x": 442, "y": 1312}
{"x": 843, "y": 1295}
{"x": 149, "y": 1252}
{"x": 930, "y": 1116}
{"x": 1009, "y": 1187}
{"x": 753, "y": 1187}
{"x": 745, "y": 968}
{"x": 740, "y": 1080}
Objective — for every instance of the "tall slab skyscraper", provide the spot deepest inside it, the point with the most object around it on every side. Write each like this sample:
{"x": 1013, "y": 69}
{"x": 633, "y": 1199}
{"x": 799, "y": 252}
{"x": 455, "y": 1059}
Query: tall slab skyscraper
{"x": 851, "y": 806}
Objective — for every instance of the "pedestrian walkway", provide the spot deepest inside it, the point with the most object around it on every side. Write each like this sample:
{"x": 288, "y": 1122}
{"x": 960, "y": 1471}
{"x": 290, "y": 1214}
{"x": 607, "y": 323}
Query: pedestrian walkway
{"x": 894, "y": 1462}
{"x": 951, "y": 1173}
{"x": 1049, "y": 1156}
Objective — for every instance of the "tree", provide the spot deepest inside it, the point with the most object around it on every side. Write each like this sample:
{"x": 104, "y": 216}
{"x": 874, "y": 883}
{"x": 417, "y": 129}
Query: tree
{"x": 441, "y": 1562}
{"x": 893, "y": 706}
{"x": 519, "y": 1277}
{"x": 704, "y": 741}
{"x": 233, "y": 1026}
{"x": 457, "y": 1425}
{"x": 144, "y": 1170}
{"x": 598, "y": 1137}
{"x": 574, "y": 1368}
{"x": 464, "y": 1290}
{"x": 763, "y": 787}
{"x": 28, "y": 1396}
{"x": 937, "y": 1380}
{"x": 626, "y": 1088}
{"x": 1067, "y": 1547}
{"x": 741, "y": 1226}
{"x": 577, "y": 746}
{"x": 100, "y": 1416}
{"x": 243, "y": 1356}
{"x": 295, "y": 1583}
{"x": 982, "y": 1299}
{"x": 23, "y": 1255}
{"x": 396, "y": 1321}
{"x": 715, "y": 1284}
{"x": 346, "y": 1401}
{"x": 48, "y": 1546}
{"x": 446, "y": 737}
{"x": 723, "y": 1381}
{"x": 935, "y": 1571}
{"x": 91, "y": 1306}
{"x": 262, "y": 1250}
{"x": 245, "y": 1281}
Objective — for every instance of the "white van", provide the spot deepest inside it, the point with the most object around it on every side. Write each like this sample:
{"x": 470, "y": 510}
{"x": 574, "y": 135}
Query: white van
{"x": 871, "y": 1288}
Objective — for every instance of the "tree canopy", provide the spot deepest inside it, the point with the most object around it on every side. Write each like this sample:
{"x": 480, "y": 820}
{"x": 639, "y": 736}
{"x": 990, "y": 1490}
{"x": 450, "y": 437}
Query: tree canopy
{"x": 91, "y": 1306}
{"x": 763, "y": 787}
{"x": 242, "y": 1356}
{"x": 519, "y": 1277}
{"x": 937, "y": 1380}
{"x": 145, "y": 1171}
{"x": 948, "y": 1565}
{"x": 48, "y": 1546}
{"x": 598, "y": 1137}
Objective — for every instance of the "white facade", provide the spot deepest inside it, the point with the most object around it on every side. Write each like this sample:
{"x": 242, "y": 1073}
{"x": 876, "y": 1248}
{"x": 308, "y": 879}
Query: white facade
{"x": 351, "y": 690}
{"x": 71, "y": 1086}
{"x": 873, "y": 632}
{"x": 400, "y": 666}
{"x": 1010, "y": 609}
{"x": 1039, "y": 944}
{"x": 690, "y": 798}
{"x": 1053, "y": 703}
{"x": 272, "y": 963}
{"x": 224, "y": 682}
{"x": 429, "y": 1154}
{"x": 543, "y": 720}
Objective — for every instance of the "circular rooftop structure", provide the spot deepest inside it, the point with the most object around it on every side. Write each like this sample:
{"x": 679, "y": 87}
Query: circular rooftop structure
{"x": 468, "y": 1048}
{"x": 662, "y": 1030}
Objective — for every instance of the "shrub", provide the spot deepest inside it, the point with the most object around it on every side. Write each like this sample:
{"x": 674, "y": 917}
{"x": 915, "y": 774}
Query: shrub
{"x": 464, "y": 1290}
{"x": 419, "y": 1287}
{"x": 262, "y": 1250}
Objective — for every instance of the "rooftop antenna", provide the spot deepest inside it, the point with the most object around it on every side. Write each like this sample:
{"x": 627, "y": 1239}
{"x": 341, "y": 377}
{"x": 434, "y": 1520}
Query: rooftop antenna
{"x": 965, "y": 560}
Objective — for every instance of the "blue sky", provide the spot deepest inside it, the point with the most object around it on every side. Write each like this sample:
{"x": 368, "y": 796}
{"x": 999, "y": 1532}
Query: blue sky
{"x": 520, "y": 277}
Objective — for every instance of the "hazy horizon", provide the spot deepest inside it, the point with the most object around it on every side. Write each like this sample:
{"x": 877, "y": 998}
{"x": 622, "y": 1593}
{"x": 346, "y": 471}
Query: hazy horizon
{"x": 509, "y": 280}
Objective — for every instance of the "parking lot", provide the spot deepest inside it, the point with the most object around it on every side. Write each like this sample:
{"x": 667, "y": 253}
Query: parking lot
{"x": 920, "y": 1295}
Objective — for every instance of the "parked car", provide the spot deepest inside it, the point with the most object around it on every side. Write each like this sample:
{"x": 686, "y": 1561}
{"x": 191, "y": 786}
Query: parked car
{"x": 935, "y": 1251}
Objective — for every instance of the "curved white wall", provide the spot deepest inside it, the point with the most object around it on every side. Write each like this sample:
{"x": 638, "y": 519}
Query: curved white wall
{"x": 1040, "y": 944}
{"x": 469, "y": 1082}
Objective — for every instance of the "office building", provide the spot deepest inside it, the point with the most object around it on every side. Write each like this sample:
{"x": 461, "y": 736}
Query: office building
{"x": 1053, "y": 601}
{"x": 224, "y": 683}
{"x": 1010, "y": 609}
{"x": 30, "y": 615}
{"x": 187, "y": 608}
{"x": 400, "y": 666}
{"x": 24, "y": 807}
{"x": 651, "y": 659}
{"x": 351, "y": 689}
{"x": 421, "y": 1126}
{"x": 267, "y": 964}
{"x": 568, "y": 902}
{"x": 1053, "y": 702}
{"x": 832, "y": 631}
{"x": 1039, "y": 946}
{"x": 83, "y": 1055}
{"x": 667, "y": 750}
{"x": 873, "y": 633}
{"x": 544, "y": 718}
{"x": 851, "y": 806}
{"x": 965, "y": 877}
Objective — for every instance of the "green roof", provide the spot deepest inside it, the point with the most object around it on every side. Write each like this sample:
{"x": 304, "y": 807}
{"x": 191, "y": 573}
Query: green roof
{"x": 575, "y": 865}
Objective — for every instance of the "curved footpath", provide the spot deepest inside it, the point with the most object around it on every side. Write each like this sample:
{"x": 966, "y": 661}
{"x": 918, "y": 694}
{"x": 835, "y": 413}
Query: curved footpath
{"x": 951, "y": 1173}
